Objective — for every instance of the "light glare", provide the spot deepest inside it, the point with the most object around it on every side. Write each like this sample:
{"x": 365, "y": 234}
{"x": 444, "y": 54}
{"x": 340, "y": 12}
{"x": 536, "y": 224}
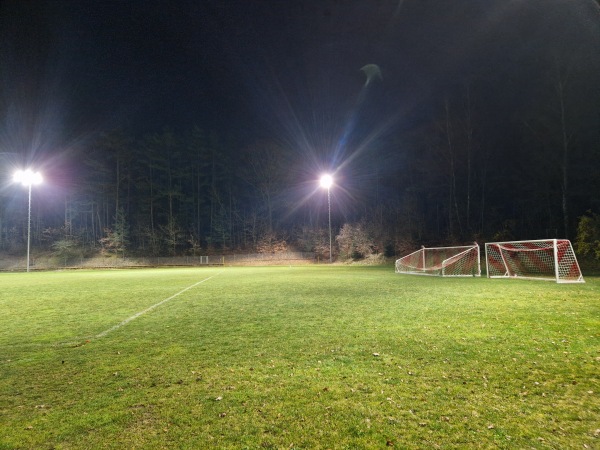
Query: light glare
{"x": 326, "y": 181}
{"x": 27, "y": 177}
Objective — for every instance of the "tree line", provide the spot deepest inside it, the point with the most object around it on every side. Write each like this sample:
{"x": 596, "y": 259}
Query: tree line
{"x": 463, "y": 171}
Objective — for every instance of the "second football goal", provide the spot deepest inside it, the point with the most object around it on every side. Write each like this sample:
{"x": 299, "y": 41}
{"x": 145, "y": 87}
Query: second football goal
{"x": 544, "y": 259}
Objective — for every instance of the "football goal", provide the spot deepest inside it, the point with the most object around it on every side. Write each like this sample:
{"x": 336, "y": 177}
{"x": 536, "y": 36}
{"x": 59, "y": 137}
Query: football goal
{"x": 462, "y": 261}
{"x": 548, "y": 259}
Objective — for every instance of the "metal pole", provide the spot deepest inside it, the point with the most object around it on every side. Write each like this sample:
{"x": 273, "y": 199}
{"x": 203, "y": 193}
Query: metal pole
{"x": 28, "y": 227}
{"x": 329, "y": 209}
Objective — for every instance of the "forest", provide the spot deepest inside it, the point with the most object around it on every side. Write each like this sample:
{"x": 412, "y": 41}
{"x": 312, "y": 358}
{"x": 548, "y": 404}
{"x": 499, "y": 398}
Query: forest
{"x": 449, "y": 177}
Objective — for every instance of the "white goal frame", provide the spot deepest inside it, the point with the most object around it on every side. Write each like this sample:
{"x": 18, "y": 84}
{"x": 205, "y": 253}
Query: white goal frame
{"x": 542, "y": 259}
{"x": 460, "y": 261}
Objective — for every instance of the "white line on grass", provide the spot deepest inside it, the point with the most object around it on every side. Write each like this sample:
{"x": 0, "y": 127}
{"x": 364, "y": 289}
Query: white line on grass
{"x": 136, "y": 315}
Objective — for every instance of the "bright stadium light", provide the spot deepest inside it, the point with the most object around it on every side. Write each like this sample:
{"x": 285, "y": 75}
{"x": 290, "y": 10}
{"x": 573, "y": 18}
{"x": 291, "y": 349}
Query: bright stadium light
{"x": 326, "y": 182}
{"x": 28, "y": 178}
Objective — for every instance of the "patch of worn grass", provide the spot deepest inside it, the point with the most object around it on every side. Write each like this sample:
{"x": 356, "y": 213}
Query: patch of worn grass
{"x": 301, "y": 357}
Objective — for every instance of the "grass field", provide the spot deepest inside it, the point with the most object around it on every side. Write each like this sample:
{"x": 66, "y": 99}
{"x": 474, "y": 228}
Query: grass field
{"x": 296, "y": 357}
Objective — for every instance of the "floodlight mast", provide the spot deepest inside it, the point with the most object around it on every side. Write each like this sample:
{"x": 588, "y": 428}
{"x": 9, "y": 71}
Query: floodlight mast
{"x": 327, "y": 182}
{"x": 28, "y": 178}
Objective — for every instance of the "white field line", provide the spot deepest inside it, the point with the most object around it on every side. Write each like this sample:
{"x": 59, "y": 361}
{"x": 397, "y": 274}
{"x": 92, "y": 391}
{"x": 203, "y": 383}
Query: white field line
{"x": 150, "y": 308}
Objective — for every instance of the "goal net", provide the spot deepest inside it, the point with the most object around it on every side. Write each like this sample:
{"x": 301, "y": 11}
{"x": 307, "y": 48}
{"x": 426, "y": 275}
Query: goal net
{"x": 462, "y": 261}
{"x": 549, "y": 259}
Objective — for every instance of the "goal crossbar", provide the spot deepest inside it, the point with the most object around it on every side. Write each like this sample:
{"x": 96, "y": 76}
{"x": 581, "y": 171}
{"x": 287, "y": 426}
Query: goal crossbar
{"x": 541, "y": 259}
{"x": 459, "y": 261}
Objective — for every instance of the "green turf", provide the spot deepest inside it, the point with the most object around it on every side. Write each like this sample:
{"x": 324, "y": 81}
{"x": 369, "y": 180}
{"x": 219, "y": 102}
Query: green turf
{"x": 300, "y": 357}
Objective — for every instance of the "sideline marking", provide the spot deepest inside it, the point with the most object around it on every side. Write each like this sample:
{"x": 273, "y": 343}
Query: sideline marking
{"x": 150, "y": 308}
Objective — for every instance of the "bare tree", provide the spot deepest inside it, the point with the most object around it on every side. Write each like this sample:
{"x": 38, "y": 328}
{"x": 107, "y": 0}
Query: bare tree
{"x": 263, "y": 170}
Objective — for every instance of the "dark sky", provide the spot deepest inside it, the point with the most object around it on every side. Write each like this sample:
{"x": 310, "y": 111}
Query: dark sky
{"x": 268, "y": 68}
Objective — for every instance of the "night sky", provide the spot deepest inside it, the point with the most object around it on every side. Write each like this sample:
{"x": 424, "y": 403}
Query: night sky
{"x": 285, "y": 71}
{"x": 267, "y": 67}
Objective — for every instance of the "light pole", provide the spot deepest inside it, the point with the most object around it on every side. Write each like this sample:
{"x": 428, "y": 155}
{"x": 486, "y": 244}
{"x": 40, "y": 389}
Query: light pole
{"x": 326, "y": 182}
{"x": 28, "y": 178}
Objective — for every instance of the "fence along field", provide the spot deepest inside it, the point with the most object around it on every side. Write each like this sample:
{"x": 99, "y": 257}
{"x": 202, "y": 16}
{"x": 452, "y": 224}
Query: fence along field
{"x": 296, "y": 357}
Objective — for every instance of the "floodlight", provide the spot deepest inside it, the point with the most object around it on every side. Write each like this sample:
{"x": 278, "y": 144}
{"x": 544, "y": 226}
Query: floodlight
{"x": 326, "y": 182}
{"x": 28, "y": 178}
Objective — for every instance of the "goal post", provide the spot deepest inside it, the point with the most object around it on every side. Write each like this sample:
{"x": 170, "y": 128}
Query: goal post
{"x": 543, "y": 259}
{"x": 460, "y": 261}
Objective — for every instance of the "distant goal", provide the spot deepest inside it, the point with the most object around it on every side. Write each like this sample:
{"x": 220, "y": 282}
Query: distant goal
{"x": 461, "y": 261}
{"x": 549, "y": 259}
